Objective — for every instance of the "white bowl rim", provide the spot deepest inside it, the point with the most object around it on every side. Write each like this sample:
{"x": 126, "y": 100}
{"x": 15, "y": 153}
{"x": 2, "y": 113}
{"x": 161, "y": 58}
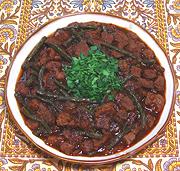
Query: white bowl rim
{"x": 104, "y": 18}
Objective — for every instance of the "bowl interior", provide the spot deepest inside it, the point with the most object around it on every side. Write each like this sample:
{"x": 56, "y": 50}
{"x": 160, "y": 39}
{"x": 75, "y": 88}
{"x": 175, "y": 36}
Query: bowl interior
{"x": 63, "y": 22}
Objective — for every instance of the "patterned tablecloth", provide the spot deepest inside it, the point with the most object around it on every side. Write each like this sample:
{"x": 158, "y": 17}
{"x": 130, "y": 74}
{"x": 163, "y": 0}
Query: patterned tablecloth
{"x": 20, "y": 18}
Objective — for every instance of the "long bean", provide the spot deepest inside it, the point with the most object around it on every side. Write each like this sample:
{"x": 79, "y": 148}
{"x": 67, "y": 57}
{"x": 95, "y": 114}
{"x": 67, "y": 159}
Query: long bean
{"x": 138, "y": 105}
{"x": 74, "y": 99}
{"x": 40, "y": 77}
{"x": 90, "y": 134}
{"x": 127, "y": 79}
{"x": 80, "y": 27}
{"x": 35, "y": 52}
{"x": 125, "y": 52}
{"x": 62, "y": 89}
{"x": 30, "y": 81}
{"x": 58, "y": 97}
{"x": 59, "y": 51}
{"x": 119, "y": 136}
{"x": 29, "y": 114}
{"x": 59, "y": 83}
{"x": 48, "y": 101}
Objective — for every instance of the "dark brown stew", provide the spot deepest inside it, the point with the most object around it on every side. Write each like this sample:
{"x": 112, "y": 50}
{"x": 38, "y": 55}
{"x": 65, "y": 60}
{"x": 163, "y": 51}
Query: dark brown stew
{"x": 91, "y": 89}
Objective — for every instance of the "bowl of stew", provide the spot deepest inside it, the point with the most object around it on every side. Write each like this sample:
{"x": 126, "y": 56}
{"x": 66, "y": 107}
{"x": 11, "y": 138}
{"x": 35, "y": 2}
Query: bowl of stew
{"x": 90, "y": 88}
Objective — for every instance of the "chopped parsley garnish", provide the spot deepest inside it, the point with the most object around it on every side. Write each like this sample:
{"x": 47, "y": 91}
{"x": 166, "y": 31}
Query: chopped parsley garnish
{"x": 93, "y": 76}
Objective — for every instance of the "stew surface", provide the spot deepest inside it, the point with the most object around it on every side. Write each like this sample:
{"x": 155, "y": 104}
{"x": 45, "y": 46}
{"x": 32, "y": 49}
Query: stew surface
{"x": 91, "y": 89}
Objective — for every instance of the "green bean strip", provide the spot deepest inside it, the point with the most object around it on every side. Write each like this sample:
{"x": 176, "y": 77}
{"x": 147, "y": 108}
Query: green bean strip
{"x": 29, "y": 114}
{"x": 139, "y": 107}
{"x": 59, "y": 83}
{"x": 69, "y": 41}
{"x": 40, "y": 77}
{"x": 30, "y": 81}
{"x": 35, "y": 52}
{"x": 60, "y": 98}
{"x": 59, "y": 51}
{"x": 90, "y": 134}
{"x": 45, "y": 101}
{"x": 127, "y": 79}
{"x": 125, "y": 52}
{"x": 62, "y": 88}
{"x": 120, "y": 50}
{"x": 119, "y": 136}
{"x": 81, "y": 27}
{"x": 75, "y": 99}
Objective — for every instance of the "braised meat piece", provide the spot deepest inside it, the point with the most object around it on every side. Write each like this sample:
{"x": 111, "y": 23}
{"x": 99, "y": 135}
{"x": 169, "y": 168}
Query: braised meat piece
{"x": 65, "y": 119}
{"x": 160, "y": 83}
{"x": 155, "y": 101}
{"x": 149, "y": 74}
{"x": 125, "y": 101}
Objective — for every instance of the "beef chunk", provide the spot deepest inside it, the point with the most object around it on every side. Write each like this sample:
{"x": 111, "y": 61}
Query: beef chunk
{"x": 150, "y": 120}
{"x": 48, "y": 80}
{"x": 121, "y": 38}
{"x": 103, "y": 115}
{"x": 132, "y": 35}
{"x": 81, "y": 47}
{"x": 129, "y": 138}
{"x": 44, "y": 113}
{"x": 136, "y": 71}
{"x": 92, "y": 34}
{"x": 87, "y": 146}
{"x": 135, "y": 47}
{"x": 53, "y": 66}
{"x": 21, "y": 88}
{"x": 103, "y": 140}
{"x": 149, "y": 73}
{"x": 148, "y": 53}
{"x": 67, "y": 148}
{"x": 133, "y": 84}
{"x": 121, "y": 115}
{"x": 105, "y": 109}
{"x": 46, "y": 55}
{"x": 107, "y": 37}
{"x": 33, "y": 125}
{"x": 137, "y": 128}
{"x": 60, "y": 75}
{"x": 83, "y": 117}
{"x": 33, "y": 104}
{"x": 155, "y": 101}
{"x": 65, "y": 119}
{"x": 125, "y": 101}
{"x": 58, "y": 37}
{"x": 146, "y": 83}
{"x": 160, "y": 83}
{"x": 72, "y": 136}
{"x": 69, "y": 106}
{"x": 116, "y": 54}
{"x": 103, "y": 122}
{"x": 54, "y": 140}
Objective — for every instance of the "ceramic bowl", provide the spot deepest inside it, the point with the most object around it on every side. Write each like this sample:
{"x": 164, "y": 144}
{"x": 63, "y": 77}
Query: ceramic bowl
{"x": 63, "y": 22}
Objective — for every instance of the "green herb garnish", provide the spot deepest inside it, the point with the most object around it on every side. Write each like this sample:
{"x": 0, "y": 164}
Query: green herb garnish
{"x": 93, "y": 76}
